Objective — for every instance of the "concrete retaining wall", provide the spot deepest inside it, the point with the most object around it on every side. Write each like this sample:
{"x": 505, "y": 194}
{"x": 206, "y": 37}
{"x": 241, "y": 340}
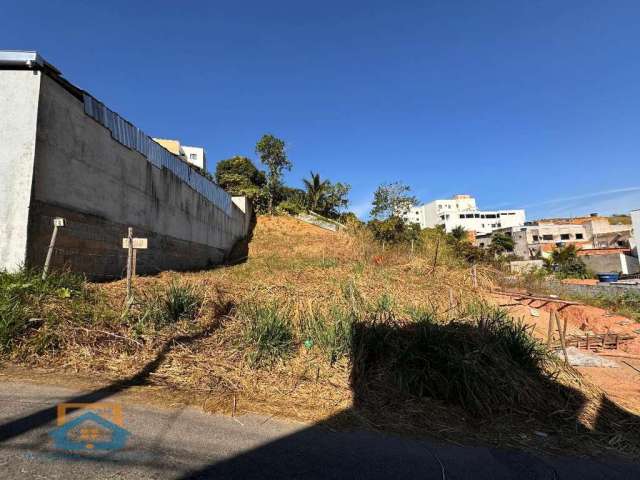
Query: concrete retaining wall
{"x": 102, "y": 187}
{"x": 19, "y": 93}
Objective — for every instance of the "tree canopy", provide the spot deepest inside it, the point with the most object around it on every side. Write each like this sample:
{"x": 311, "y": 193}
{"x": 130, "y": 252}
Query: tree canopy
{"x": 392, "y": 199}
{"x": 239, "y": 176}
{"x": 273, "y": 154}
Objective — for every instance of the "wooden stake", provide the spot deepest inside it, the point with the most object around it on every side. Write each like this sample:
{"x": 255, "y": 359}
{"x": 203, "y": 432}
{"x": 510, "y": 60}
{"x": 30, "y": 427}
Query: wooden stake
{"x": 550, "y": 329}
{"x": 474, "y": 275}
{"x": 451, "y": 301}
{"x": 411, "y": 247}
{"x": 129, "y": 261}
{"x": 134, "y": 263}
{"x": 52, "y": 244}
{"x": 564, "y": 349}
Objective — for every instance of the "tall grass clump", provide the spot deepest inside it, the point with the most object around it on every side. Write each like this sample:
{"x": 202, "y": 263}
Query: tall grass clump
{"x": 266, "y": 332}
{"x": 177, "y": 302}
{"x": 486, "y": 364}
{"x": 23, "y": 295}
{"x": 330, "y": 332}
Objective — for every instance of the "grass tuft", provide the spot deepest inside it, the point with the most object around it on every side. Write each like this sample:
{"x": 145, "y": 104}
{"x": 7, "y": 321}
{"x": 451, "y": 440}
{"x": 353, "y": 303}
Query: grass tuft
{"x": 267, "y": 332}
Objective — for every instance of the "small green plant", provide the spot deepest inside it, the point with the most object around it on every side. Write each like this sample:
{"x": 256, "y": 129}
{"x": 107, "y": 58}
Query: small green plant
{"x": 331, "y": 333}
{"x": 182, "y": 302}
{"x": 177, "y": 302}
{"x": 385, "y": 304}
{"x": 267, "y": 332}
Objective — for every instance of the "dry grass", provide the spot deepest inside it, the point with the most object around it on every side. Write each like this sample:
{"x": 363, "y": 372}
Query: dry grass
{"x": 308, "y": 275}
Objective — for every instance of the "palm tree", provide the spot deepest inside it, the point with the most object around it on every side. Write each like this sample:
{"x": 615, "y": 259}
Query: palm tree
{"x": 315, "y": 190}
{"x": 459, "y": 233}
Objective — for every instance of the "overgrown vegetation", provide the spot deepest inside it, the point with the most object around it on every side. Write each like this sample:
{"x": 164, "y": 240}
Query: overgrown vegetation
{"x": 565, "y": 263}
{"x": 486, "y": 363}
{"x": 317, "y": 324}
{"x": 23, "y": 296}
{"x": 267, "y": 333}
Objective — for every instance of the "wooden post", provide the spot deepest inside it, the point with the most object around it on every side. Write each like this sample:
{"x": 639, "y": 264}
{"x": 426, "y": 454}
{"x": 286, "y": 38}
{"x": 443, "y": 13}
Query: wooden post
{"x": 451, "y": 300}
{"x": 550, "y": 329}
{"x": 134, "y": 263}
{"x": 57, "y": 222}
{"x": 129, "y": 261}
{"x": 474, "y": 275}
{"x": 412, "y": 247}
{"x": 564, "y": 348}
{"x": 435, "y": 257}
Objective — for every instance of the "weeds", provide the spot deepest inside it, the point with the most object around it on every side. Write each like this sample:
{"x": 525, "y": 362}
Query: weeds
{"x": 22, "y": 298}
{"x": 267, "y": 332}
{"x": 331, "y": 332}
{"x": 177, "y": 302}
{"x": 486, "y": 365}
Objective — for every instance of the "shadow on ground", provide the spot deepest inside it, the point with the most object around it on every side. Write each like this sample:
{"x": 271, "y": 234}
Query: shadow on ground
{"x": 412, "y": 378}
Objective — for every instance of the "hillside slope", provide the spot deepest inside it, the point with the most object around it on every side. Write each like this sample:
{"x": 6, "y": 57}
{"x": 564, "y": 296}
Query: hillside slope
{"x": 329, "y": 327}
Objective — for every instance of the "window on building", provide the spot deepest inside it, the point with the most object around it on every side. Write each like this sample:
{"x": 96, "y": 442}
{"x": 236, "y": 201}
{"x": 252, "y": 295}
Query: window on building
{"x": 579, "y": 236}
{"x": 462, "y": 215}
{"x": 477, "y": 215}
{"x": 565, "y": 236}
{"x": 193, "y": 156}
{"x": 491, "y": 215}
{"x": 547, "y": 237}
{"x": 536, "y": 238}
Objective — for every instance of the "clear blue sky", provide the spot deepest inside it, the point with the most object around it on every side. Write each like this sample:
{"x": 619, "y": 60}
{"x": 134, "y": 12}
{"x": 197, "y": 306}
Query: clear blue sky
{"x": 531, "y": 104}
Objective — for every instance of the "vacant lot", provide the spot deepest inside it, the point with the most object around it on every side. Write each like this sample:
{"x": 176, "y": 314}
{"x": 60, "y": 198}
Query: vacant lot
{"x": 324, "y": 327}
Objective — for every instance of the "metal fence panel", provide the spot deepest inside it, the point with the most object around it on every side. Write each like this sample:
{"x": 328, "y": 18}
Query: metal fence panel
{"x": 132, "y": 137}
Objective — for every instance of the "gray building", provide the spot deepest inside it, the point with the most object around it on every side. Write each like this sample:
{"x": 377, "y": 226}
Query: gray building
{"x": 65, "y": 154}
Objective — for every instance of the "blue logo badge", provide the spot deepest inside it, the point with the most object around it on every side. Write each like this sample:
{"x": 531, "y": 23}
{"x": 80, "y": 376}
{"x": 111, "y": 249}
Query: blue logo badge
{"x": 89, "y": 432}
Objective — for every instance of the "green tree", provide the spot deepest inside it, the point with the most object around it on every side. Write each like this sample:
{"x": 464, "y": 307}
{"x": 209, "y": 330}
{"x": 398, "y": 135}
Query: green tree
{"x": 272, "y": 153}
{"x": 335, "y": 199}
{"x": 458, "y": 234}
{"x": 239, "y": 176}
{"x": 392, "y": 199}
{"x": 394, "y": 230}
{"x": 564, "y": 261}
{"x": 501, "y": 243}
{"x": 316, "y": 190}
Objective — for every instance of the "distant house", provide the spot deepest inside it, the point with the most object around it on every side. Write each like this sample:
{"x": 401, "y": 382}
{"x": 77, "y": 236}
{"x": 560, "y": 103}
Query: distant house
{"x": 193, "y": 155}
{"x": 541, "y": 237}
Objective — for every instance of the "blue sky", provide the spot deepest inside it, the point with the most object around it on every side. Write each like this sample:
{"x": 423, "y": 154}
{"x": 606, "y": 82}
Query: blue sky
{"x": 531, "y": 104}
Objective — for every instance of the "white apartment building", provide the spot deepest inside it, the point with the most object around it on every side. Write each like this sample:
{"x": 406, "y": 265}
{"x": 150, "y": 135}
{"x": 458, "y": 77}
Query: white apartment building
{"x": 461, "y": 210}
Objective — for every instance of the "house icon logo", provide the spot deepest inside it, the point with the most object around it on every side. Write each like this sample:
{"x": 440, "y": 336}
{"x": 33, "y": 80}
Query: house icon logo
{"x": 89, "y": 432}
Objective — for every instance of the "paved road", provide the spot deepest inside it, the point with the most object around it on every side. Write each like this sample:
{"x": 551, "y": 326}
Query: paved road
{"x": 186, "y": 443}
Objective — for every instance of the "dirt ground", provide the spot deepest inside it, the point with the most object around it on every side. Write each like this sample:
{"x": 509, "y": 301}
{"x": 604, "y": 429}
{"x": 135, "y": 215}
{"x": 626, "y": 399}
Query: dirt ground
{"x": 622, "y": 384}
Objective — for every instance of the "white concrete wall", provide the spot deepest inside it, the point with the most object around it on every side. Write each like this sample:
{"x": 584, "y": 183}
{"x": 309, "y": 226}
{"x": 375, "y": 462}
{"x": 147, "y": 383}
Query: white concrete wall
{"x": 100, "y": 186}
{"x": 635, "y": 220}
{"x": 19, "y": 94}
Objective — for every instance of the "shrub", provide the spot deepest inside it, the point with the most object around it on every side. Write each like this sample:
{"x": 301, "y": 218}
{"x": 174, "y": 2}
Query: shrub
{"x": 267, "y": 333}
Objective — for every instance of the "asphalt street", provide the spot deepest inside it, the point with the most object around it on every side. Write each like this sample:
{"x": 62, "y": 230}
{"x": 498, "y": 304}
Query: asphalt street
{"x": 187, "y": 443}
